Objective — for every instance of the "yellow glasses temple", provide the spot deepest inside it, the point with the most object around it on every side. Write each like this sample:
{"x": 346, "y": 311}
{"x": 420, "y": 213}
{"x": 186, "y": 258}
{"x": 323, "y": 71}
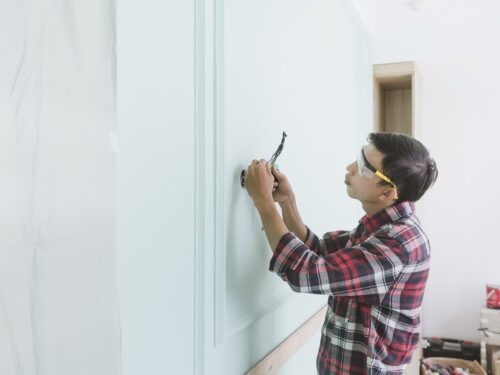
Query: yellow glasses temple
{"x": 379, "y": 174}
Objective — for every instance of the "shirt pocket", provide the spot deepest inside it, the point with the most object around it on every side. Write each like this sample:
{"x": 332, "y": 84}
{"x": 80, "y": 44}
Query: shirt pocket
{"x": 341, "y": 310}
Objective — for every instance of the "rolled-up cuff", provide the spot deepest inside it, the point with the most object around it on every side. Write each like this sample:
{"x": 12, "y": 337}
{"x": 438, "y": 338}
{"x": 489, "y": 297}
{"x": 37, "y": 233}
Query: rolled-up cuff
{"x": 288, "y": 251}
{"x": 311, "y": 241}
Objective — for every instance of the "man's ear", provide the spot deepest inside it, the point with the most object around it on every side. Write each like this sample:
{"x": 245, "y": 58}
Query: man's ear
{"x": 388, "y": 194}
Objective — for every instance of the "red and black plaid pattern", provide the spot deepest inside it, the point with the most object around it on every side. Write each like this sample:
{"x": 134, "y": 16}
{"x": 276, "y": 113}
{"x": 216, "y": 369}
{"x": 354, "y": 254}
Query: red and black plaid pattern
{"x": 375, "y": 277}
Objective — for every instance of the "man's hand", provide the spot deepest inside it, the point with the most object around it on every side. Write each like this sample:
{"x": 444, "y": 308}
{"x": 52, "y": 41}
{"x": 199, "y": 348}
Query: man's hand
{"x": 283, "y": 190}
{"x": 259, "y": 182}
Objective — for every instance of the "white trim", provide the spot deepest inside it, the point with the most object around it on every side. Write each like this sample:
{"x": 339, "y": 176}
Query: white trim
{"x": 199, "y": 207}
{"x": 219, "y": 244}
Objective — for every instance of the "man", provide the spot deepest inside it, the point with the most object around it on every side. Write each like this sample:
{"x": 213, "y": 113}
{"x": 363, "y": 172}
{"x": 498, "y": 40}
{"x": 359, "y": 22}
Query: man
{"x": 374, "y": 275}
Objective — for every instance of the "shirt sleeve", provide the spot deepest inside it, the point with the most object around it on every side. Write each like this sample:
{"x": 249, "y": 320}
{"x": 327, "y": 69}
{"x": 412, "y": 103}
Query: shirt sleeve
{"x": 365, "y": 271}
{"x": 331, "y": 241}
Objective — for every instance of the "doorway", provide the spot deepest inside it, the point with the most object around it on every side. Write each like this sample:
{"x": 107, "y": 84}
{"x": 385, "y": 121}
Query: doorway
{"x": 394, "y": 93}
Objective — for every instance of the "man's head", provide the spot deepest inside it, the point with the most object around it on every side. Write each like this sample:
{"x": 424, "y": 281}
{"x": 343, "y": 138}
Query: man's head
{"x": 394, "y": 167}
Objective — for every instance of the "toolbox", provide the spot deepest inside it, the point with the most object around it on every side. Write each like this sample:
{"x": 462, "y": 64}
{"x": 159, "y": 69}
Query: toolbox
{"x": 451, "y": 348}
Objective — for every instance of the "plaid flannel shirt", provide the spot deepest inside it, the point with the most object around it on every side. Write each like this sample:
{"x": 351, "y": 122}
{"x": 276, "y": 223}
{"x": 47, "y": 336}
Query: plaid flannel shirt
{"x": 375, "y": 277}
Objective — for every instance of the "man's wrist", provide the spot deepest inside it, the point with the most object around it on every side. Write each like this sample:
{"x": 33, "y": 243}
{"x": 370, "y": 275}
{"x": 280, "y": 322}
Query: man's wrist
{"x": 289, "y": 202}
{"x": 264, "y": 204}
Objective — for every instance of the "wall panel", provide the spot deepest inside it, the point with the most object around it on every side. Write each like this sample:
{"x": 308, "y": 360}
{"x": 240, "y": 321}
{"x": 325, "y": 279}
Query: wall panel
{"x": 286, "y": 65}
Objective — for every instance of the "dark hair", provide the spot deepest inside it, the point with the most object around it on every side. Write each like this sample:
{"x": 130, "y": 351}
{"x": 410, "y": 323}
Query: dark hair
{"x": 406, "y": 162}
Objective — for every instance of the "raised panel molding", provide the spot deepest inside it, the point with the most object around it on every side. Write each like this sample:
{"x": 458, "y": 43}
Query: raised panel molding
{"x": 212, "y": 326}
{"x": 223, "y": 327}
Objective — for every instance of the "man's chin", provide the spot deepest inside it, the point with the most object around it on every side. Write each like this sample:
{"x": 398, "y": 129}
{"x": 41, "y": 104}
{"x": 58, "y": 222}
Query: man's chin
{"x": 349, "y": 191}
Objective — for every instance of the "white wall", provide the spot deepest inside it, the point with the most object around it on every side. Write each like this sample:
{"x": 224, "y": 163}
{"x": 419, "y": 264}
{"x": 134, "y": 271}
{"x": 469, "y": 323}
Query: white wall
{"x": 457, "y": 53}
{"x": 203, "y": 88}
{"x": 58, "y": 298}
{"x": 155, "y": 185}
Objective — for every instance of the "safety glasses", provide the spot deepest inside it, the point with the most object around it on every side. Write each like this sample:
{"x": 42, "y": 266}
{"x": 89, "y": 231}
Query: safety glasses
{"x": 367, "y": 170}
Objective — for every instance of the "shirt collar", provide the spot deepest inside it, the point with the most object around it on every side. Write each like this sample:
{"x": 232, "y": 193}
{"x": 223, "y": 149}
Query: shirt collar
{"x": 390, "y": 214}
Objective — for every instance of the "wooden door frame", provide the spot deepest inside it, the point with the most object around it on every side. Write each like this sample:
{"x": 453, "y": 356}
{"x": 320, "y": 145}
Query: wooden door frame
{"x": 394, "y": 74}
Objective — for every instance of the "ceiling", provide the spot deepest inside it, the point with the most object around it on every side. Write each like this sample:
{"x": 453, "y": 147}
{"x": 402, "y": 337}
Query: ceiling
{"x": 415, "y": 14}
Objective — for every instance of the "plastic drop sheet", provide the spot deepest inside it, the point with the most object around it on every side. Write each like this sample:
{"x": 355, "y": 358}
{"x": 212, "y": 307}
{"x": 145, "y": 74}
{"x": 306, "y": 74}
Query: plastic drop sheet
{"x": 58, "y": 299}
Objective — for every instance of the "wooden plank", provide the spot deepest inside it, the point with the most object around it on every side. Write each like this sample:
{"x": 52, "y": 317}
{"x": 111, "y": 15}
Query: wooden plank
{"x": 282, "y": 353}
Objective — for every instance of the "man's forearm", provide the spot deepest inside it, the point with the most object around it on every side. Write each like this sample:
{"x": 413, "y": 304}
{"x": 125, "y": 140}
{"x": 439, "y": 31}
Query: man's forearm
{"x": 272, "y": 222}
{"x": 292, "y": 218}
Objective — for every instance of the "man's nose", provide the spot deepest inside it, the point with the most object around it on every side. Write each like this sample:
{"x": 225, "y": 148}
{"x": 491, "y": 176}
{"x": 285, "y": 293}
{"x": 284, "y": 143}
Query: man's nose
{"x": 351, "y": 168}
